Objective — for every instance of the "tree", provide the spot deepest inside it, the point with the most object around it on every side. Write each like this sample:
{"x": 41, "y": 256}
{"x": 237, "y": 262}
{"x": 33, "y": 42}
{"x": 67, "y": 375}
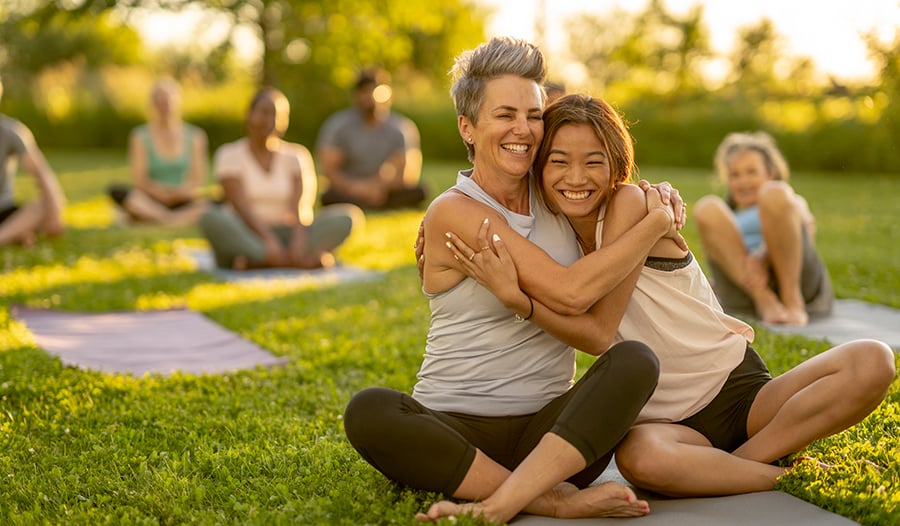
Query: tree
{"x": 652, "y": 50}
{"x": 754, "y": 59}
{"x": 37, "y": 37}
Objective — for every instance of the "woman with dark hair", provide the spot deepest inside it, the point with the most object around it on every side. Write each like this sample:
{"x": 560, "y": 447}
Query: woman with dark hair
{"x": 717, "y": 419}
{"x": 269, "y": 189}
{"x": 496, "y": 416}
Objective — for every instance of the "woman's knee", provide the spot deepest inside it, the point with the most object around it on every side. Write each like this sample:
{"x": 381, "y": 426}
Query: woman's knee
{"x": 875, "y": 363}
{"x": 776, "y": 196}
{"x": 636, "y": 360}
{"x": 363, "y": 412}
{"x": 709, "y": 210}
{"x": 642, "y": 460}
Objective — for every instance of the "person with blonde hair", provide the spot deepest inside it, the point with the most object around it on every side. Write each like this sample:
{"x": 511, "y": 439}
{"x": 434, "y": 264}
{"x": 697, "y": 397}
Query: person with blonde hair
{"x": 168, "y": 163}
{"x": 22, "y": 222}
{"x": 760, "y": 239}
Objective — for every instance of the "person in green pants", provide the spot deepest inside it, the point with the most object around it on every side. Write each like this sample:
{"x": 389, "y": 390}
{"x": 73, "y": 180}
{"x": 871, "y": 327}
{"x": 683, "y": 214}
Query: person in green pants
{"x": 269, "y": 186}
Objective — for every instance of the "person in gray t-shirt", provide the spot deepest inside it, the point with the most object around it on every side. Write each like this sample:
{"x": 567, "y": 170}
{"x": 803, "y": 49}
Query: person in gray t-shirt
{"x": 369, "y": 154}
{"x": 20, "y": 223}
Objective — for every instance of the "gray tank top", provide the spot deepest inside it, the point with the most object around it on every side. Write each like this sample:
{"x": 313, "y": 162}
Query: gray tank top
{"x": 478, "y": 360}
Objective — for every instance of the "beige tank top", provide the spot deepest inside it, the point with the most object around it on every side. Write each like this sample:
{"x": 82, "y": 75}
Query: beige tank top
{"x": 676, "y": 313}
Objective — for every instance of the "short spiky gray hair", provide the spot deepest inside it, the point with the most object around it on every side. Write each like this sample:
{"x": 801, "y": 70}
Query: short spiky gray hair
{"x": 495, "y": 58}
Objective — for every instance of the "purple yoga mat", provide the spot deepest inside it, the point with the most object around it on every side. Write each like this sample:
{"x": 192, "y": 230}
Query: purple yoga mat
{"x": 142, "y": 342}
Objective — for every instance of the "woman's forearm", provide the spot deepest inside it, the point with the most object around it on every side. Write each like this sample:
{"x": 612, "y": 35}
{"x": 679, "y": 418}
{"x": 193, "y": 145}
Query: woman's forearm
{"x": 572, "y": 290}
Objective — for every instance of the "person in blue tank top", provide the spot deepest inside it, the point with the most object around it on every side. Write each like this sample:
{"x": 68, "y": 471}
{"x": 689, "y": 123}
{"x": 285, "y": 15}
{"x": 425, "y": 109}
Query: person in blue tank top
{"x": 760, "y": 240}
{"x": 168, "y": 162}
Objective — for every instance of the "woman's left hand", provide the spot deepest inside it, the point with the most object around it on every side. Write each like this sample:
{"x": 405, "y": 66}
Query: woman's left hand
{"x": 491, "y": 265}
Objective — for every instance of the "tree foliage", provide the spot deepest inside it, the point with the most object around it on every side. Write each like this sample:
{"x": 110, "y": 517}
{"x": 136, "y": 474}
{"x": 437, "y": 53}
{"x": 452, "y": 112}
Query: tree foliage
{"x": 37, "y": 36}
{"x": 652, "y": 50}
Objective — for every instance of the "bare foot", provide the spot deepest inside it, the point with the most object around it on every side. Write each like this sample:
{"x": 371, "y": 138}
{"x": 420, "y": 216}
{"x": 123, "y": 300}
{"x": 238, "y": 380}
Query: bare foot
{"x": 445, "y": 508}
{"x": 795, "y": 317}
{"x": 768, "y": 307}
{"x": 240, "y": 263}
{"x": 28, "y": 239}
{"x": 609, "y": 499}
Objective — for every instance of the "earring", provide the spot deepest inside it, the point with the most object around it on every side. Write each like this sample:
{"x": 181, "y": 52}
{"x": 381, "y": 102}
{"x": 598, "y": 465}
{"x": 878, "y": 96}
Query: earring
{"x": 469, "y": 139}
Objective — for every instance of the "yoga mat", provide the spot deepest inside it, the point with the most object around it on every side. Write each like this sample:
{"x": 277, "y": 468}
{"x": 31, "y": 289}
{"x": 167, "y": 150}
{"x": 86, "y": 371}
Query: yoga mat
{"x": 338, "y": 274}
{"x": 142, "y": 342}
{"x": 851, "y": 320}
{"x": 765, "y": 508}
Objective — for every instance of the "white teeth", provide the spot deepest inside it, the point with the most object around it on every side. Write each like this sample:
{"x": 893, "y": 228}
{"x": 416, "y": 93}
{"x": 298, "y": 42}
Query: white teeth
{"x": 518, "y": 148}
{"x": 568, "y": 194}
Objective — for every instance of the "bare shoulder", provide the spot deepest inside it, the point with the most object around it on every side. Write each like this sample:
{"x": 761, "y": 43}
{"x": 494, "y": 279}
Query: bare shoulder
{"x": 22, "y": 130}
{"x": 628, "y": 203}
{"x": 453, "y": 209}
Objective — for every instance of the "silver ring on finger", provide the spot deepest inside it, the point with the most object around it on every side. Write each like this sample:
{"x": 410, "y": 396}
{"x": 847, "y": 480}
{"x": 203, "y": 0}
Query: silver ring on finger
{"x": 472, "y": 257}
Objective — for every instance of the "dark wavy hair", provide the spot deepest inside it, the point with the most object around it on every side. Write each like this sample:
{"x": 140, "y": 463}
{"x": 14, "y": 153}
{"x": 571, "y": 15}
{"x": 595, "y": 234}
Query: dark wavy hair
{"x": 608, "y": 125}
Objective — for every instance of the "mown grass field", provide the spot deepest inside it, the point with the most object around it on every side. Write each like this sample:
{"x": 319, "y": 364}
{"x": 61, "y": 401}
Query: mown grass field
{"x": 267, "y": 446}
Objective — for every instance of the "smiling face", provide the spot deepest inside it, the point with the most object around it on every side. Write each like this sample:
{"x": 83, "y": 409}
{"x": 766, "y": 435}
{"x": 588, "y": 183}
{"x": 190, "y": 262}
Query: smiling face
{"x": 576, "y": 176}
{"x": 747, "y": 173}
{"x": 268, "y": 116}
{"x": 509, "y": 128}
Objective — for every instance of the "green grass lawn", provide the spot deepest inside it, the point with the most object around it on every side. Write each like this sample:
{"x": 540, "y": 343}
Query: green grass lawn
{"x": 267, "y": 446}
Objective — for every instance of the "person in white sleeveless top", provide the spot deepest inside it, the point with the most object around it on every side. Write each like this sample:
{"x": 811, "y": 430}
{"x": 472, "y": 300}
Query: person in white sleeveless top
{"x": 717, "y": 420}
{"x": 495, "y": 416}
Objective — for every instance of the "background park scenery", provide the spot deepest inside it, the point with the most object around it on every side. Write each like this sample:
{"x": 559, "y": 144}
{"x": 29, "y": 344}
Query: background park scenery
{"x": 267, "y": 446}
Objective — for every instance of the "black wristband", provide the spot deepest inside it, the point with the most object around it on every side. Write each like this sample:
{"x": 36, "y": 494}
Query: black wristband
{"x": 530, "y": 312}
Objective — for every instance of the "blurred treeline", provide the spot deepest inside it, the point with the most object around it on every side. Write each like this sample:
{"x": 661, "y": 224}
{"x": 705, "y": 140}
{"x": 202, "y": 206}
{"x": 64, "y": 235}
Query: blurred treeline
{"x": 78, "y": 73}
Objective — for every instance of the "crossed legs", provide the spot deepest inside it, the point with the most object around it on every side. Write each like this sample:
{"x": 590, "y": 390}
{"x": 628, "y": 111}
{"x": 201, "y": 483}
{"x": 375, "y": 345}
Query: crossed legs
{"x": 23, "y": 225}
{"x": 822, "y": 396}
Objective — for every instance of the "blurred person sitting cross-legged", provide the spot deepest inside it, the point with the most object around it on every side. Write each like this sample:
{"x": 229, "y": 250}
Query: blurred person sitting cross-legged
{"x": 22, "y": 222}
{"x": 168, "y": 161}
{"x": 369, "y": 154}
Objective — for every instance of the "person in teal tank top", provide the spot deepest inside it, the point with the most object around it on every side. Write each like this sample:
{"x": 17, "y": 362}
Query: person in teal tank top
{"x": 168, "y": 161}
{"x": 760, "y": 242}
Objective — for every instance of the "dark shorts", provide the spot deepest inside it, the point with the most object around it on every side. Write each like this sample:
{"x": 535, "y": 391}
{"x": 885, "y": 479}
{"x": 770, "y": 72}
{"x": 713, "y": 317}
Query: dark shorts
{"x": 7, "y": 212}
{"x": 724, "y": 421}
{"x": 815, "y": 285}
{"x": 119, "y": 192}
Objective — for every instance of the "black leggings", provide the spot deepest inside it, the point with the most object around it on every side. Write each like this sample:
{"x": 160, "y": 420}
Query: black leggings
{"x": 433, "y": 450}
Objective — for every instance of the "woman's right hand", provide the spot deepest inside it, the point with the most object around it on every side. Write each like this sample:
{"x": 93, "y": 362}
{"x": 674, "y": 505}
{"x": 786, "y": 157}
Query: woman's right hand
{"x": 275, "y": 255}
{"x": 491, "y": 265}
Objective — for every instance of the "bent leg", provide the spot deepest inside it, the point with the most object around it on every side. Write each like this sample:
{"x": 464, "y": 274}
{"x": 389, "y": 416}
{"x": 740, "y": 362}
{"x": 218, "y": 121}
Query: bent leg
{"x": 678, "y": 461}
{"x": 22, "y": 225}
{"x": 822, "y": 396}
{"x": 729, "y": 259}
{"x": 782, "y": 228}
{"x": 720, "y": 236}
{"x": 587, "y": 423}
{"x": 333, "y": 224}
{"x": 230, "y": 238}
{"x": 146, "y": 209}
